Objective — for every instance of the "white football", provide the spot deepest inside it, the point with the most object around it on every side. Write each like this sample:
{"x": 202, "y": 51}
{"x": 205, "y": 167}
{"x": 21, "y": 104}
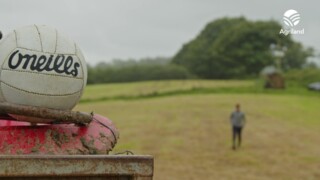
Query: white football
{"x": 41, "y": 67}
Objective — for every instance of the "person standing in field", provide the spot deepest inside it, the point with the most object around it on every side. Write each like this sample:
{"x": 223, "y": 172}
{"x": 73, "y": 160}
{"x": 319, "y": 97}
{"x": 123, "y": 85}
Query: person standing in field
{"x": 238, "y": 120}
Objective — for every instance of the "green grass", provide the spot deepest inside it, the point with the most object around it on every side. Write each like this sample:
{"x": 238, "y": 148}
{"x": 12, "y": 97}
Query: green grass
{"x": 189, "y": 133}
{"x": 151, "y": 89}
{"x": 155, "y": 88}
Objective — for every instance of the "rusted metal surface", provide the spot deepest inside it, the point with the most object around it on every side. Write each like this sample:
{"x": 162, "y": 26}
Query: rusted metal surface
{"x": 44, "y": 115}
{"x": 68, "y": 166}
{"x": 98, "y": 137}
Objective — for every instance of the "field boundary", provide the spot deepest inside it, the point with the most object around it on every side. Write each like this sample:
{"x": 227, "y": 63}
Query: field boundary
{"x": 204, "y": 90}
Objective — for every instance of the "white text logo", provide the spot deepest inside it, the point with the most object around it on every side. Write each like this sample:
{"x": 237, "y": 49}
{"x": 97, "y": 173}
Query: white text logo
{"x": 291, "y": 18}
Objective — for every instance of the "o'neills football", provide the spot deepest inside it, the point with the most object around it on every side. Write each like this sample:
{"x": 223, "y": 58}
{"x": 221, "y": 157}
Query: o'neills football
{"x": 41, "y": 67}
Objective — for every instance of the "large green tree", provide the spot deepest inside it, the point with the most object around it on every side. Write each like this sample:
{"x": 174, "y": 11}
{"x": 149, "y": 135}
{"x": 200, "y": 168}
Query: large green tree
{"x": 237, "y": 47}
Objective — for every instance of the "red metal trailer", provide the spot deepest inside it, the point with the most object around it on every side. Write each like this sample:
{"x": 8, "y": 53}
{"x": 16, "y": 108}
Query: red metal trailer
{"x": 66, "y": 151}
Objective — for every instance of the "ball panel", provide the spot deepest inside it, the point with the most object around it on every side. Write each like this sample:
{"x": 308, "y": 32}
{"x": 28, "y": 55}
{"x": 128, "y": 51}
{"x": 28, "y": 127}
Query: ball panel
{"x": 64, "y": 45}
{"x": 48, "y": 37}
{"x": 6, "y": 46}
{"x": 46, "y": 84}
{"x": 83, "y": 65}
{"x": 55, "y": 102}
{"x": 28, "y": 37}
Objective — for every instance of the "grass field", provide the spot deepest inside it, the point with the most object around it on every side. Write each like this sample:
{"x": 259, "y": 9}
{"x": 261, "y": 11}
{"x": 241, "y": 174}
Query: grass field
{"x": 153, "y": 88}
{"x": 189, "y": 134}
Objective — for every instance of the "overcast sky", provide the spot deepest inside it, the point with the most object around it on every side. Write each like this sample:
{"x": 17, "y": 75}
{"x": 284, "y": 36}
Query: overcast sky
{"x": 109, "y": 29}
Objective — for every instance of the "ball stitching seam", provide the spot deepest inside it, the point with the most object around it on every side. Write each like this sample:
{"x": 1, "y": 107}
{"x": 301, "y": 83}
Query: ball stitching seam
{"x": 41, "y": 94}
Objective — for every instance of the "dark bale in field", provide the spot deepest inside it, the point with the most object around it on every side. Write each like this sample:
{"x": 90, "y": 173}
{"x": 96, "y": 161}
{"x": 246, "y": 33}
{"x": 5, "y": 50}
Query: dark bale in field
{"x": 274, "y": 78}
{"x": 275, "y": 81}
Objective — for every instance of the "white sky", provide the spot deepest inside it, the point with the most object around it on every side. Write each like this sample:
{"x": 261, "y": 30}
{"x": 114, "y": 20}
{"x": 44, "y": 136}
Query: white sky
{"x": 109, "y": 29}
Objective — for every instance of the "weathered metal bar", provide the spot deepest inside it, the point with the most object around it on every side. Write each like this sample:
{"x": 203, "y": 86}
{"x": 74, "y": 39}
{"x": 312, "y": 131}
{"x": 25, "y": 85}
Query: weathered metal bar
{"x": 45, "y": 113}
{"x": 132, "y": 167}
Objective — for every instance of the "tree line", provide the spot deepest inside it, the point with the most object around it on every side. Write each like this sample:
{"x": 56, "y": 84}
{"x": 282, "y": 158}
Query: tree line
{"x": 226, "y": 48}
{"x": 136, "y": 70}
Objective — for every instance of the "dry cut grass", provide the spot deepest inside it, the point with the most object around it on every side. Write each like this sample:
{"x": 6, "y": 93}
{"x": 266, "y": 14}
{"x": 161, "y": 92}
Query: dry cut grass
{"x": 190, "y": 135}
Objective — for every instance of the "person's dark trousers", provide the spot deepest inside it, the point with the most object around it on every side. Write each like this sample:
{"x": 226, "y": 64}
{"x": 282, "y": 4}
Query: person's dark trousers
{"x": 236, "y": 133}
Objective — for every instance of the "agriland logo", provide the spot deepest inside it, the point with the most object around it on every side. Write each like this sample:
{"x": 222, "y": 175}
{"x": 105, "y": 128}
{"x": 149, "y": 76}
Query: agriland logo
{"x": 291, "y": 18}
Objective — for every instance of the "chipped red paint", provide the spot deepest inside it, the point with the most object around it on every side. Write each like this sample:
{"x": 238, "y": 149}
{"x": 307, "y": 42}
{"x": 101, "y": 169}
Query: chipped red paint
{"x": 58, "y": 139}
